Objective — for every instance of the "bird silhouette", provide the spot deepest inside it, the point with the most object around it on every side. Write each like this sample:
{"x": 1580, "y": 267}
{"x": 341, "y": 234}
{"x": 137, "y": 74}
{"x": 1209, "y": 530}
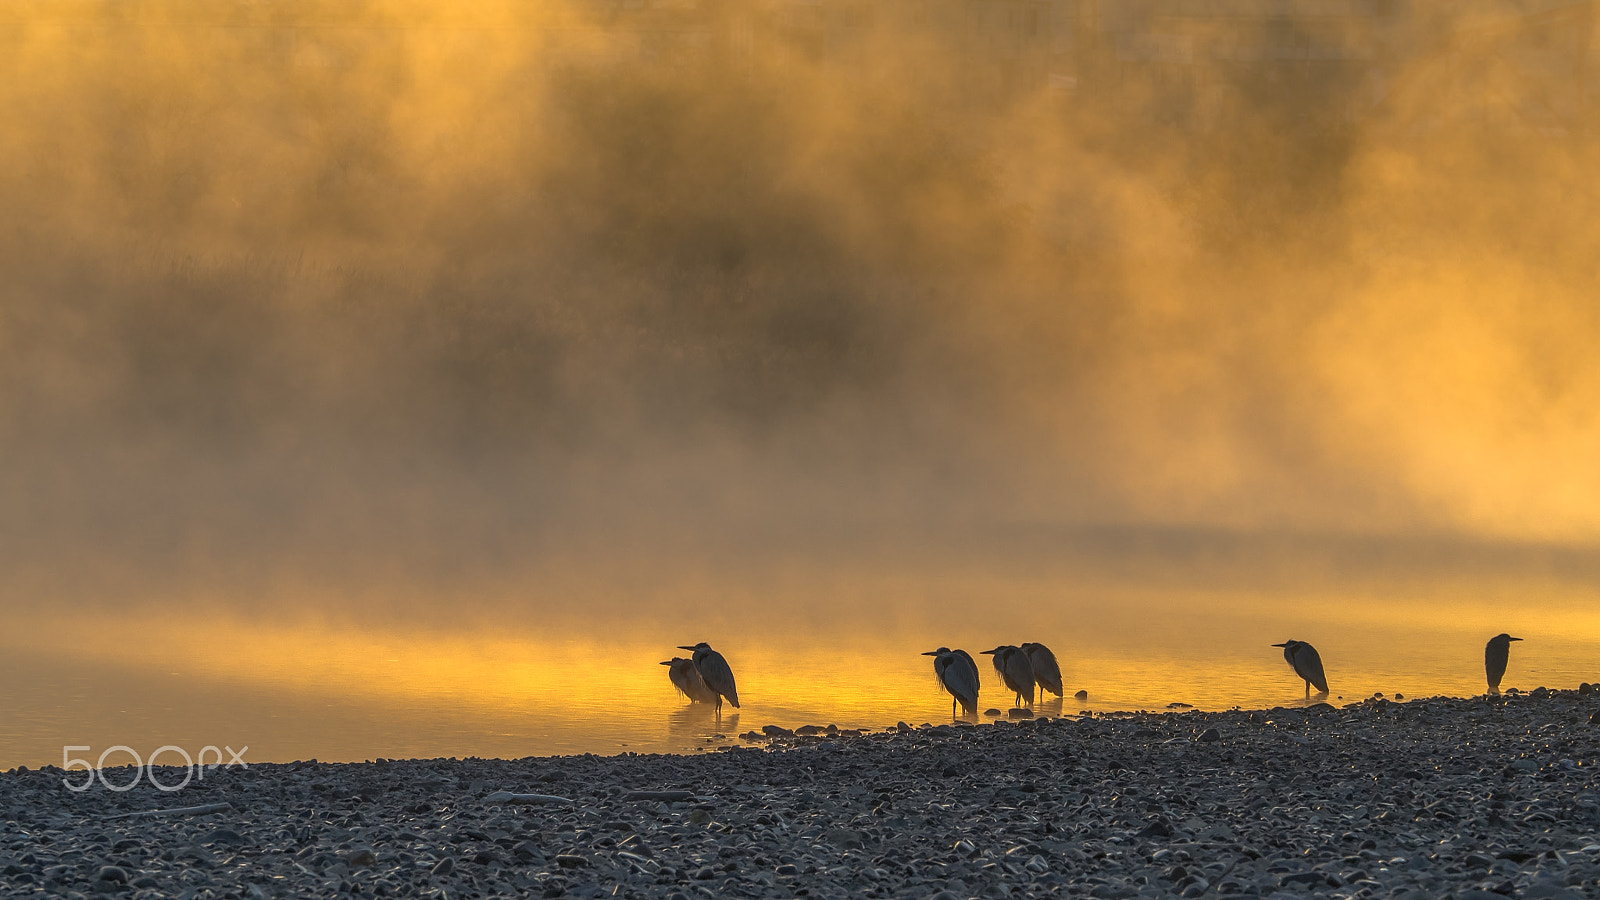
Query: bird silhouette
{"x": 1494, "y": 659}
{"x": 1015, "y": 670}
{"x": 959, "y": 675}
{"x": 686, "y": 678}
{"x": 1303, "y": 658}
{"x": 714, "y": 672}
{"x": 1046, "y": 671}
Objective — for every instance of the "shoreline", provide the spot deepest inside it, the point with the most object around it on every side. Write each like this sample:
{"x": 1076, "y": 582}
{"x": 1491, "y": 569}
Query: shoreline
{"x": 1430, "y": 797}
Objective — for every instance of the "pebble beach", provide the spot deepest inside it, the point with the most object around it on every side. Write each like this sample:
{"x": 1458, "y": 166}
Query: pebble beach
{"x": 1473, "y": 798}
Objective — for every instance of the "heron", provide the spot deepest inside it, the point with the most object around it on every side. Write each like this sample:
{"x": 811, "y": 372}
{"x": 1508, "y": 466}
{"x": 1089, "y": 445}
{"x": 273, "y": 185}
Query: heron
{"x": 1015, "y": 670}
{"x": 959, "y": 675}
{"x": 714, "y": 671}
{"x": 1303, "y": 658}
{"x": 688, "y": 681}
{"x": 1494, "y": 659}
{"x": 1046, "y": 671}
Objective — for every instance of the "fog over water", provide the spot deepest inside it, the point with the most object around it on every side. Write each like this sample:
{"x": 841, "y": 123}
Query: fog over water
{"x": 327, "y": 330}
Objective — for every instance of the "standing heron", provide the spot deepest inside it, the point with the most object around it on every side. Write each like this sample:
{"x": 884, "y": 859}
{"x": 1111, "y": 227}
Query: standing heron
{"x": 959, "y": 675}
{"x": 1015, "y": 670}
{"x": 1046, "y": 671}
{"x": 715, "y": 673}
{"x": 1494, "y": 659}
{"x": 688, "y": 681}
{"x": 1303, "y": 658}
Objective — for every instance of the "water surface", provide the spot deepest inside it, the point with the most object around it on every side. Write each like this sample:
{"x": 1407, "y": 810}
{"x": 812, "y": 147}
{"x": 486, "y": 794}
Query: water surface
{"x": 292, "y": 690}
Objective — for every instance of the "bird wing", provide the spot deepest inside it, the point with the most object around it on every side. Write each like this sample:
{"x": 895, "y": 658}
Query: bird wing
{"x": 718, "y": 677}
{"x": 677, "y": 671}
{"x": 966, "y": 659}
{"x": 1018, "y": 672}
{"x": 1495, "y": 656}
{"x": 1046, "y": 670}
{"x": 961, "y": 680}
{"x": 695, "y": 686}
{"x": 1308, "y": 665}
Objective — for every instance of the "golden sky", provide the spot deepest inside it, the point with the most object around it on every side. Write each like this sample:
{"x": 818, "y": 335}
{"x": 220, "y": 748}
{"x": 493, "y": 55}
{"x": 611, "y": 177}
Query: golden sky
{"x": 370, "y": 309}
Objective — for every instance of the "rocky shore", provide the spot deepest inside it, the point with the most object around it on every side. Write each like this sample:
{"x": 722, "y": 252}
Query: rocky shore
{"x": 1473, "y": 798}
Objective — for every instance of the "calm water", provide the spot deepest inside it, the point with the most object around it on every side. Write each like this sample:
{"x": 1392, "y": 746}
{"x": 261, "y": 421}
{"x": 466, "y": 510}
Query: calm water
{"x": 302, "y": 691}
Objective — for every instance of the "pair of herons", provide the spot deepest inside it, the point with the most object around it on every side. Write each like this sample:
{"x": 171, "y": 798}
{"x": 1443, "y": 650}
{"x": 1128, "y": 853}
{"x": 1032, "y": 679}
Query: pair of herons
{"x": 1303, "y": 658}
{"x": 1020, "y": 667}
{"x": 704, "y": 677}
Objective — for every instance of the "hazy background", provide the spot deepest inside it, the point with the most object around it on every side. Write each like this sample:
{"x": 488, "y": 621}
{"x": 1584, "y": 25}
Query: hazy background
{"x": 382, "y": 318}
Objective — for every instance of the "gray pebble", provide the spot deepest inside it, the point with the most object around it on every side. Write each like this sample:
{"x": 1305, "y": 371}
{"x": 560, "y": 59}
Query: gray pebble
{"x": 1437, "y": 797}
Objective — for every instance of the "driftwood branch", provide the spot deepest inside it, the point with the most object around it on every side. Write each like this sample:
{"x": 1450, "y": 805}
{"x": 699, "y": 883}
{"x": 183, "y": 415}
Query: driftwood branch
{"x": 180, "y": 811}
{"x": 670, "y": 796}
{"x": 525, "y": 799}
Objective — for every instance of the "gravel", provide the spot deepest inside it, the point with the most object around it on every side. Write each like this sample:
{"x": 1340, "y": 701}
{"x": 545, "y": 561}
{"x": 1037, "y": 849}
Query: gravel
{"x": 1470, "y": 798}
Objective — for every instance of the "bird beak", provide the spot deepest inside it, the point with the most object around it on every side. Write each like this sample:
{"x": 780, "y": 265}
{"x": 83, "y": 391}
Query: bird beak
{"x": 666, "y": 662}
{"x": 685, "y": 647}
{"x": 988, "y": 651}
{"x": 1516, "y": 639}
{"x": 931, "y": 653}
{"x": 1284, "y": 644}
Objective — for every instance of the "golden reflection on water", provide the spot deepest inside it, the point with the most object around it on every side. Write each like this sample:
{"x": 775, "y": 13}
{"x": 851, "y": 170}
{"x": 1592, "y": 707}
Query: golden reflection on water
{"x": 294, "y": 690}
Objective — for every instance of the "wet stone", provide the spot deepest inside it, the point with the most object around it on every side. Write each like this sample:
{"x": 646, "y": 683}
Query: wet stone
{"x": 843, "y": 837}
